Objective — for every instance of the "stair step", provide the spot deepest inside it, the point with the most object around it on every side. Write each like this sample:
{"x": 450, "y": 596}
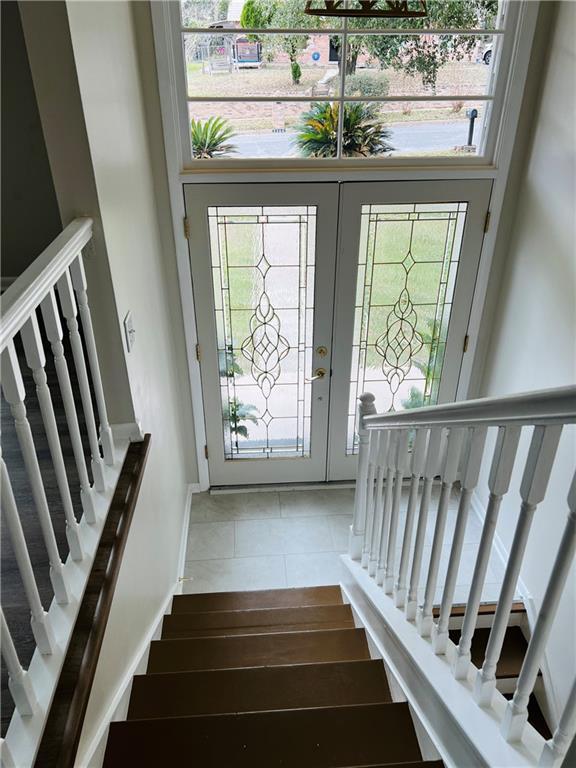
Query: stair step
{"x": 513, "y": 650}
{"x": 483, "y": 610}
{"x": 419, "y": 764}
{"x": 257, "y": 621}
{"x": 265, "y": 598}
{"x": 258, "y": 689}
{"x": 258, "y": 650}
{"x": 306, "y": 738}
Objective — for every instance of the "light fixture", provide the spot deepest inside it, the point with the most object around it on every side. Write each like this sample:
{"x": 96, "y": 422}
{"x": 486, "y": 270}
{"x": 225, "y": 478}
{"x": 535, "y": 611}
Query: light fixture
{"x": 396, "y": 9}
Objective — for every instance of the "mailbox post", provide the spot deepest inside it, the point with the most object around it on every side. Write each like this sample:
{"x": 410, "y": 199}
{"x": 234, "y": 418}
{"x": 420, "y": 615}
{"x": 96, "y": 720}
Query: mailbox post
{"x": 471, "y": 114}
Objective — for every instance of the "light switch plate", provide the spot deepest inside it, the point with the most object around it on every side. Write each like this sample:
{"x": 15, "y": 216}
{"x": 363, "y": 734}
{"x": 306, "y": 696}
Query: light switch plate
{"x": 129, "y": 331}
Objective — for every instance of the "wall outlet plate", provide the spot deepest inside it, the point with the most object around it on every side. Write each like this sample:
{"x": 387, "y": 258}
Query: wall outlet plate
{"x": 129, "y": 331}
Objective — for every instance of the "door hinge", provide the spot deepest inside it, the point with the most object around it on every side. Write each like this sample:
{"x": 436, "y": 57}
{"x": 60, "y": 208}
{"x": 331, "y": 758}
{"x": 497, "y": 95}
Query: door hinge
{"x": 487, "y": 221}
{"x": 198, "y": 355}
{"x": 206, "y": 451}
{"x": 465, "y": 345}
{"x": 186, "y": 228}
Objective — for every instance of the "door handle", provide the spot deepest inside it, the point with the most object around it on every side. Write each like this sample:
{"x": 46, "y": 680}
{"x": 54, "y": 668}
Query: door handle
{"x": 319, "y": 373}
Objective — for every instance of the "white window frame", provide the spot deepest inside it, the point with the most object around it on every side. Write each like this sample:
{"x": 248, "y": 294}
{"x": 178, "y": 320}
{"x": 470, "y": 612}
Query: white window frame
{"x": 181, "y": 169}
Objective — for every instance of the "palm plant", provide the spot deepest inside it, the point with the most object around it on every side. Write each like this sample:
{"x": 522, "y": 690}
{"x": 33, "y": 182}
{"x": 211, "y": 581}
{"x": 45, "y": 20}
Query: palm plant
{"x": 209, "y": 138}
{"x": 363, "y": 132}
{"x": 235, "y": 412}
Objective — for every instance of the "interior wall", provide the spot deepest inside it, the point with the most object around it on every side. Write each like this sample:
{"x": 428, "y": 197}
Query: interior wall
{"x": 47, "y": 36}
{"x": 112, "y": 45}
{"x": 532, "y": 345}
{"x": 27, "y": 188}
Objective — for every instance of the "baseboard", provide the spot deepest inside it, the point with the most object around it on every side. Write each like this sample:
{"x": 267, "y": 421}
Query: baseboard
{"x": 88, "y": 755}
{"x": 184, "y": 536}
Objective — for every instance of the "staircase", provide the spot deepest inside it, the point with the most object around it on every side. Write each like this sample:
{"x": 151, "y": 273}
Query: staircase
{"x": 269, "y": 678}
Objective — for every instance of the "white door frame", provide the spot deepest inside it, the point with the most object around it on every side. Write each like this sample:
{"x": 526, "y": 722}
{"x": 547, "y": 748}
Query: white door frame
{"x": 324, "y": 197}
{"x": 352, "y": 197}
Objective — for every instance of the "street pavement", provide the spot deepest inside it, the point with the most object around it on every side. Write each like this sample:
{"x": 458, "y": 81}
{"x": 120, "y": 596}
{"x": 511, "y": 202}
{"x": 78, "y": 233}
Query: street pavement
{"x": 430, "y": 136}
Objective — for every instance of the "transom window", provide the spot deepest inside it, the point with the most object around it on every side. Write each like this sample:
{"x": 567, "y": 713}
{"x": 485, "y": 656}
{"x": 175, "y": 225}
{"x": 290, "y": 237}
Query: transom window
{"x": 266, "y": 80}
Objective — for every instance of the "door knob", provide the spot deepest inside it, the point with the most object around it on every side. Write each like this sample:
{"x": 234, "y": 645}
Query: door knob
{"x": 319, "y": 373}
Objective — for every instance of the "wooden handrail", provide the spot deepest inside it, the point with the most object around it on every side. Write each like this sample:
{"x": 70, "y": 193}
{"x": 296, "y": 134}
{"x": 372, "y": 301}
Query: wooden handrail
{"x": 548, "y": 406}
{"x": 32, "y": 286}
{"x": 66, "y": 717}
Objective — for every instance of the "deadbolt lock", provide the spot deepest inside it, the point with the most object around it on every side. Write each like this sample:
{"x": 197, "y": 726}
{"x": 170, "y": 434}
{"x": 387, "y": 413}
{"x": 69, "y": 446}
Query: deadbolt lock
{"x": 322, "y": 351}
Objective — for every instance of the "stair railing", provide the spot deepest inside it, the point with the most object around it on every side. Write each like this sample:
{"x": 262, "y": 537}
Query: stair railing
{"x": 55, "y": 288}
{"x": 446, "y": 444}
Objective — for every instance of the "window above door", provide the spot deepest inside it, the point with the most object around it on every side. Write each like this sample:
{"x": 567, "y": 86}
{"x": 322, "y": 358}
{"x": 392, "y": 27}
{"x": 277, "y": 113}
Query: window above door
{"x": 259, "y": 81}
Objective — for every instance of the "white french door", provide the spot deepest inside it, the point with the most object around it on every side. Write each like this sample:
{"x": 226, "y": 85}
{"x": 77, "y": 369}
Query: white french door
{"x": 263, "y": 262}
{"x": 306, "y": 295}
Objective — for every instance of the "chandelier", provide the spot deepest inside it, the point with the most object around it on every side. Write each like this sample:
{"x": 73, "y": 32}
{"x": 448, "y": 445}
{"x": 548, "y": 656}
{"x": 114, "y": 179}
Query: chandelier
{"x": 396, "y": 9}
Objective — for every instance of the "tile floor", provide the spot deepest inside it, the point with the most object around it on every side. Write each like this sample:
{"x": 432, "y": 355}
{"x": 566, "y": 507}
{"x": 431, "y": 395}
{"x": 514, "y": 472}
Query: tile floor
{"x": 269, "y": 540}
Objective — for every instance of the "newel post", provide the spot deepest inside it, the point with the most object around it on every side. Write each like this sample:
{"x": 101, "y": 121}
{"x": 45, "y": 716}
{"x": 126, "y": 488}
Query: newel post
{"x": 366, "y": 407}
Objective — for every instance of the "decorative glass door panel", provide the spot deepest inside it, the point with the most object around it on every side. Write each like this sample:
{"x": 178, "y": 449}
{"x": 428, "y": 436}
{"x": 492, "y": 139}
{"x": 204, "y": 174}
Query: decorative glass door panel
{"x": 263, "y": 267}
{"x": 406, "y": 272}
{"x": 263, "y": 284}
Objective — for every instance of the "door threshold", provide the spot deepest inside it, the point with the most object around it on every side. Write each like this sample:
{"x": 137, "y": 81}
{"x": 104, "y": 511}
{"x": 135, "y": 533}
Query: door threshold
{"x": 327, "y": 486}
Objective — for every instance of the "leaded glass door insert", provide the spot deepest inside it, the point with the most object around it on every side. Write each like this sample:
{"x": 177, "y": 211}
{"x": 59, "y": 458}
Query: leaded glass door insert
{"x": 407, "y": 266}
{"x": 263, "y": 268}
{"x": 263, "y": 283}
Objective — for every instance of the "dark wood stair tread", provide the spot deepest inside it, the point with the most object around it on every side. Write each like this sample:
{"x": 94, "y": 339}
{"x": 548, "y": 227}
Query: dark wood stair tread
{"x": 304, "y": 738}
{"x": 258, "y": 689}
{"x": 485, "y": 609}
{"x": 419, "y": 764}
{"x": 257, "y": 621}
{"x": 258, "y": 650}
{"x": 265, "y": 598}
{"x": 513, "y": 650}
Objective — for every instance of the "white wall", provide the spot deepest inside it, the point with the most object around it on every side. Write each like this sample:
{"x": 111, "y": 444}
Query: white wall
{"x": 533, "y": 342}
{"x": 115, "y": 76}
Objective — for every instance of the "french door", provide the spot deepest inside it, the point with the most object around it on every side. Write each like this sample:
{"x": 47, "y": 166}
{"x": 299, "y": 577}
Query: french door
{"x": 308, "y": 294}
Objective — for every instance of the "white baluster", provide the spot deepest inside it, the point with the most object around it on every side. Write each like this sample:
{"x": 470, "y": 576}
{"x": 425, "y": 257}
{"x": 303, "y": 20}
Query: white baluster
{"x": 498, "y": 484}
{"x": 13, "y": 388}
{"x": 34, "y": 351}
{"x": 80, "y": 285}
{"x": 53, "y": 329}
{"x": 68, "y": 303}
{"x": 532, "y": 490}
{"x": 430, "y": 469}
{"x": 40, "y": 621}
{"x": 418, "y": 455}
{"x": 401, "y": 469}
{"x": 374, "y": 449}
{"x": 366, "y": 407}
{"x": 19, "y": 683}
{"x": 470, "y": 473}
{"x": 6, "y": 756}
{"x": 517, "y": 710}
{"x": 387, "y": 508}
{"x": 450, "y": 470}
{"x": 555, "y": 749}
{"x": 379, "y": 502}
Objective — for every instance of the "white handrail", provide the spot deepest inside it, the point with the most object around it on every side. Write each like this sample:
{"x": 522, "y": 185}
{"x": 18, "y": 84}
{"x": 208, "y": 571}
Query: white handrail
{"x": 27, "y": 291}
{"x": 548, "y": 406}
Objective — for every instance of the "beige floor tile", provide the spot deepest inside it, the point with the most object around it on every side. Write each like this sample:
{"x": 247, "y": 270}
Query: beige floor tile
{"x": 235, "y": 574}
{"x": 208, "y": 507}
{"x": 313, "y": 570}
{"x": 314, "y": 503}
{"x": 210, "y": 540}
{"x": 283, "y": 536}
